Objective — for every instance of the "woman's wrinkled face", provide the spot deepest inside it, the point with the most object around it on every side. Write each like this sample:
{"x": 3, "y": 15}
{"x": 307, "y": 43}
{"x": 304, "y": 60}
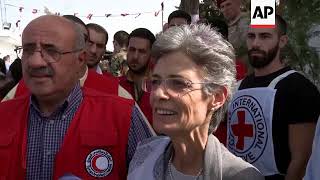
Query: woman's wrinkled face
{"x": 177, "y": 100}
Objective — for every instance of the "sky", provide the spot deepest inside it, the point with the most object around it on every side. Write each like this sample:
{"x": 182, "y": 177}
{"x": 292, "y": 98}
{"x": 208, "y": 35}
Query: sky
{"x": 10, "y": 13}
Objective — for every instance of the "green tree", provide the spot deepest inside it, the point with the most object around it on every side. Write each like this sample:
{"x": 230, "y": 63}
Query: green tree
{"x": 301, "y": 16}
{"x": 209, "y": 10}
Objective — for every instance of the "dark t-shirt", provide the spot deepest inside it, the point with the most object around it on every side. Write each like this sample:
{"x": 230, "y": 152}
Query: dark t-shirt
{"x": 297, "y": 100}
{"x": 16, "y": 70}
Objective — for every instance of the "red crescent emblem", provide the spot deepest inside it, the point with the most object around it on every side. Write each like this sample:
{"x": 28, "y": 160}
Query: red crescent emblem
{"x": 94, "y": 163}
{"x": 99, "y": 163}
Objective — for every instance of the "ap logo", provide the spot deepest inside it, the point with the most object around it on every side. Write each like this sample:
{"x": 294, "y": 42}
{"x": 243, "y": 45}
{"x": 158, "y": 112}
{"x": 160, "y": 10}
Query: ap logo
{"x": 263, "y": 13}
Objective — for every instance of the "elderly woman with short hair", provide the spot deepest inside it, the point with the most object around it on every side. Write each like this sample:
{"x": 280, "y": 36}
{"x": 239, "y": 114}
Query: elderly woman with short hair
{"x": 191, "y": 85}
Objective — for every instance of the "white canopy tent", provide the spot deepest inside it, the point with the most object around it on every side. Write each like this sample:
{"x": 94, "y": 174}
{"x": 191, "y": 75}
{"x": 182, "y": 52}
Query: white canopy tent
{"x": 8, "y": 42}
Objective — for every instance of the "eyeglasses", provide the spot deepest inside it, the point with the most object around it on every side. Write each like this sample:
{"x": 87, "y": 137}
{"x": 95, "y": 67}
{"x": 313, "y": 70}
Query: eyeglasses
{"x": 49, "y": 54}
{"x": 171, "y": 85}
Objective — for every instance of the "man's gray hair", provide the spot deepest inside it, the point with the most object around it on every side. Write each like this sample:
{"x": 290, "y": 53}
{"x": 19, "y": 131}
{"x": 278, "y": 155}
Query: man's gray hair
{"x": 79, "y": 42}
{"x": 210, "y": 51}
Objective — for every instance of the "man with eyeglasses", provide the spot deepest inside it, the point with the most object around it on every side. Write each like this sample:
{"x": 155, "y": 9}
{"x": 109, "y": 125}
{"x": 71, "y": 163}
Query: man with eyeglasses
{"x": 88, "y": 78}
{"x": 63, "y": 130}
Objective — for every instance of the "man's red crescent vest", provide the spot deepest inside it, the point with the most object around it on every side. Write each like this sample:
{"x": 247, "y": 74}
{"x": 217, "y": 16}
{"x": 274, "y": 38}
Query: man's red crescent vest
{"x": 101, "y": 122}
{"x": 101, "y": 83}
{"x": 144, "y": 102}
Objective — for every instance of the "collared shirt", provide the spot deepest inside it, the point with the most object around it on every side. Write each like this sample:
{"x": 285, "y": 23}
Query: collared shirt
{"x": 84, "y": 77}
{"x": 46, "y": 133}
{"x": 98, "y": 70}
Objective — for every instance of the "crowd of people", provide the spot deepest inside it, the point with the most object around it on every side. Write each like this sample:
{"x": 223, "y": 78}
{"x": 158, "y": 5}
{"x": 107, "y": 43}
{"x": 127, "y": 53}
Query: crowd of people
{"x": 10, "y": 73}
{"x": 198, "y": 101}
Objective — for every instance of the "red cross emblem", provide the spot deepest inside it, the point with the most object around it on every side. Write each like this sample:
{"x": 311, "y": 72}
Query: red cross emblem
{"x": 242, "y": 130}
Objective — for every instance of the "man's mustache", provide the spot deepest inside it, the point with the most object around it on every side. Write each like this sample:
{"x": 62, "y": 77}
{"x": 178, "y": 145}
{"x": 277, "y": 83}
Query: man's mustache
{"x": 92, "y": 56}
{"x": 42, "y": 71}
{"x": 134, "y": 61}
{"x": 254, "y": 50}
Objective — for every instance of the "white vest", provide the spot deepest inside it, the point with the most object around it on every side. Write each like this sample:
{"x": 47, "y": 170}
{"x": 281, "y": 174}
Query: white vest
{"x": 250, "y": 126}
{"x": 146, "y": 156}
{"x": 313, "y": 168}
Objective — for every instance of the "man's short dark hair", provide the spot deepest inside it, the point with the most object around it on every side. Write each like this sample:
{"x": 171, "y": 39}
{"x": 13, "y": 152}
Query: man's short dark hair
{"x": 180, "y": 14}
{"x": 99, "y": 29}
{"x": 121, "y": 37}
{"x": 281, "y": 25}
{"x": 143, "y": 33}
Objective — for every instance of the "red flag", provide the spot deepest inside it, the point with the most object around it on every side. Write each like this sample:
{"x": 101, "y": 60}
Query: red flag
{"x": 107, "y": 15}
{"x": 89, "y": 16}
{"x": 124, "y": 14}
{"x": 21, "y": 8}
{"x": 17, "y": 23}
{"x": 156, "y": 13}
{"x": 34, "y": 11}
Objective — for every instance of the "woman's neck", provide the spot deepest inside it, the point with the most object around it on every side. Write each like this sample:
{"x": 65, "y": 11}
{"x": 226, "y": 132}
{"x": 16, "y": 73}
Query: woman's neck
{"x": 189, "y": 151}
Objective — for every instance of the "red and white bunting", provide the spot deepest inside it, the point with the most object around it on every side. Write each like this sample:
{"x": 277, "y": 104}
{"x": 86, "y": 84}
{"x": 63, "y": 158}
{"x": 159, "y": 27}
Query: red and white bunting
{"x": 89, "y": 16}
{"x": 34, "y": 11}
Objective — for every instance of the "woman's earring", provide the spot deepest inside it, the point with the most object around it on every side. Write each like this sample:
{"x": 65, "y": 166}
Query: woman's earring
{"x": 213, "y": 109}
